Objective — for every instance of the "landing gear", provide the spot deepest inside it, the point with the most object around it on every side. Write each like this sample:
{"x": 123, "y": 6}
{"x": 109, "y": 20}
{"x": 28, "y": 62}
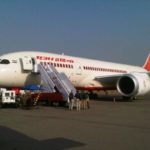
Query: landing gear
{"x": 129, "y": 98}
{"x": 134, "y": 98}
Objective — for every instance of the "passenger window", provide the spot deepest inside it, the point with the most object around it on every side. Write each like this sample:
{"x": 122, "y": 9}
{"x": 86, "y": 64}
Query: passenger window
{"x": 4, "y": 61}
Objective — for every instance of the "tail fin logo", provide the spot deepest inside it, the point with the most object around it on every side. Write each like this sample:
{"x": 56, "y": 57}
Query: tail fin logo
{"x": 147, "y": 64}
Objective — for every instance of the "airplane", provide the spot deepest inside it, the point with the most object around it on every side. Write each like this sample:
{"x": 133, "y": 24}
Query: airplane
{"x": 85, "y": 74}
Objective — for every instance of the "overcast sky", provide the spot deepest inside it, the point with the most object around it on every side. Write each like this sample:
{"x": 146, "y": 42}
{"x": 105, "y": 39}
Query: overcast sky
{"x": 111, "y": 30}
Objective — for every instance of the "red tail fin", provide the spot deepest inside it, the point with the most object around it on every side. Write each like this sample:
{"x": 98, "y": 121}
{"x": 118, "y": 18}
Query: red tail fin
{"x": 147, "y": 63}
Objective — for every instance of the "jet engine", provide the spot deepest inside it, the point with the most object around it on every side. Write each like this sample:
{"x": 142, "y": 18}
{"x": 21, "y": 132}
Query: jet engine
{"x": 133, "y": 84}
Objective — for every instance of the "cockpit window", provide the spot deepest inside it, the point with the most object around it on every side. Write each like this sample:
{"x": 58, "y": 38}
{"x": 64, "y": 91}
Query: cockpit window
{"x": 4, "y": 61}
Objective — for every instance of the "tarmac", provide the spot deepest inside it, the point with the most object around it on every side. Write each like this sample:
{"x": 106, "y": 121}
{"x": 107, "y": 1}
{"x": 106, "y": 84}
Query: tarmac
{"x": 107, "y": 125}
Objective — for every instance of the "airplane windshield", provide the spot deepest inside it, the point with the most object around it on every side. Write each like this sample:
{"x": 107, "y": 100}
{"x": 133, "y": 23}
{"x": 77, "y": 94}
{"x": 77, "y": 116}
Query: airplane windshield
{"x": 4, "y": 61}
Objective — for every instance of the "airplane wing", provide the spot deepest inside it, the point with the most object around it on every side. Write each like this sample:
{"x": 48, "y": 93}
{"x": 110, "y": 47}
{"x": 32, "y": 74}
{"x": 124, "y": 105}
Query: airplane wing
{"x": 111, "y": 80}
{"x": 108, "y": 81}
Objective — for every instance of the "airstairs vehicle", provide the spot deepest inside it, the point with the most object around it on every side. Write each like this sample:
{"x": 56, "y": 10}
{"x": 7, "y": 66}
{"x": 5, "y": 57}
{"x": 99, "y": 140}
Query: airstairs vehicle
{"x": 53, "y": 82}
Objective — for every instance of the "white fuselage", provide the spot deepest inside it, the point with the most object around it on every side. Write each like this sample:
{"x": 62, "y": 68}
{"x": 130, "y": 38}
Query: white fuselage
{"x": 80, "y": 71}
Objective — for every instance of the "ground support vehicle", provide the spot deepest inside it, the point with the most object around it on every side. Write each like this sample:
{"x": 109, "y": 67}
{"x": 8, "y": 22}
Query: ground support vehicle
{"x": 8, "y": 97}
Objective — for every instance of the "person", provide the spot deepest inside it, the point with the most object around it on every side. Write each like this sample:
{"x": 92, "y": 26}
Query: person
{"x": 29, "y": 99}
{"x": 18, "y": 99}
{"x": 71, "y": 100}
{"x": 78, "y": 102}
{"x": 87, "y": 100}
{"x": 84, "y": 100}
{"x": 23, "y": 100}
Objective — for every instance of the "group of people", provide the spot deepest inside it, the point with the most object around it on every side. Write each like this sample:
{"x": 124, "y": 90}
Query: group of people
{"x": 80, "y": 100}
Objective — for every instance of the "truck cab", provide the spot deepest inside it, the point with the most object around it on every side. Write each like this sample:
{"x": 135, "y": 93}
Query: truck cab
{"x": 7, "y": 96}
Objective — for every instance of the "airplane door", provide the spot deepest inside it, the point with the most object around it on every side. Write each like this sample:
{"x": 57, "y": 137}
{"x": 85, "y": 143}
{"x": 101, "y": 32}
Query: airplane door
{"x": 75, "y": 77}
{"x": 27, "y": 63}
{"x": 78, "y": 69}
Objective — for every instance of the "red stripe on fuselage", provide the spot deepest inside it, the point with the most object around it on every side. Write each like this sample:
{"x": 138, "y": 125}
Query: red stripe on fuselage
{"x": 95, "y": 88}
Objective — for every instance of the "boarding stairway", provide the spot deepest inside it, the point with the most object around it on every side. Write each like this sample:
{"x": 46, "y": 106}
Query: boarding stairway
{"x": 53, "y": 81}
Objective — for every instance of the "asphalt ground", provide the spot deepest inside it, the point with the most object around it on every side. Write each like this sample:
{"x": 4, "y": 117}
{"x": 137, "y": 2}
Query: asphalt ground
{"x": 107, "y": 125}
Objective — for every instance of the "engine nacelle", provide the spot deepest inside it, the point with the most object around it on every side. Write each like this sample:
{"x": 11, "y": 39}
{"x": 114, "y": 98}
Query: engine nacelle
{"x": 134, "y": 84}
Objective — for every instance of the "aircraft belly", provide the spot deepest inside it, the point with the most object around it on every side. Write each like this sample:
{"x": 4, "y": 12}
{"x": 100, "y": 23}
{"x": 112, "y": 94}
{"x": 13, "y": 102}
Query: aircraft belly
{"x": 33, "y": 79}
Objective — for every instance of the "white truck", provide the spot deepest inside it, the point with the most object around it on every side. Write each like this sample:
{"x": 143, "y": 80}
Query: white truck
{"x": 7, "y": 97}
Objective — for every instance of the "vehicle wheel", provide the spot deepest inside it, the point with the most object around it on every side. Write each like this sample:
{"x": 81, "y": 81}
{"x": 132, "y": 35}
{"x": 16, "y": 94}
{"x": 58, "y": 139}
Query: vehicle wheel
{"x": 62, "y": 104}
{"x": 16, "y": 105}
{"x": 49, "y": 103}
{"x": 1, "y": 105}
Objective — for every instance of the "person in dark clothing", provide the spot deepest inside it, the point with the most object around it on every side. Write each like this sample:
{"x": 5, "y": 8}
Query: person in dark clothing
{"x": 85, "y": 100}
{"x": 71, "y": 100}
{"x": 78, "y": 100}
